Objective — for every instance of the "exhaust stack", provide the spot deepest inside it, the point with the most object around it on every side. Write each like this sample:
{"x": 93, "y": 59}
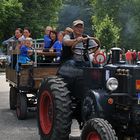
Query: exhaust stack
{"x": 115, "y": 55}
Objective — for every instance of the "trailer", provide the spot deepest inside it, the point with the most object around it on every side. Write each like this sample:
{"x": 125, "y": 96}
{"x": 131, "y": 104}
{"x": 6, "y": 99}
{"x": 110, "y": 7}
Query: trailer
{"x": 24, "y": 83}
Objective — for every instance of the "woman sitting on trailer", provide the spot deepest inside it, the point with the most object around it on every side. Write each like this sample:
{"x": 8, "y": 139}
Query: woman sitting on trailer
{"x": 55, "y": 46}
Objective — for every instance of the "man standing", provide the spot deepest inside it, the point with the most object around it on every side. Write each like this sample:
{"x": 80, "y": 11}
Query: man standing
{"x": 128, "y": 56}
{"x": 13, "y": 41}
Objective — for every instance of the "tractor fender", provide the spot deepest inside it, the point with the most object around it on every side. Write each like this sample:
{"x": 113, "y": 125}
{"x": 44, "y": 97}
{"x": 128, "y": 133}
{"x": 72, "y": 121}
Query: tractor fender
{"x": 102, "y": 106}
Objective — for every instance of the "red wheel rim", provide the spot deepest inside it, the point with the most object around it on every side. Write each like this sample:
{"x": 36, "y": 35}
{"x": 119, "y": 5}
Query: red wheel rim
{"x": 93, "y": 136}
{"x": 46, "y": 112}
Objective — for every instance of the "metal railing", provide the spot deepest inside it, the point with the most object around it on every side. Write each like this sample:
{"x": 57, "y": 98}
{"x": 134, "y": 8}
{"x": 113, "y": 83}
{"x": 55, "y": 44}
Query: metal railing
{"x": 13, "y": 48}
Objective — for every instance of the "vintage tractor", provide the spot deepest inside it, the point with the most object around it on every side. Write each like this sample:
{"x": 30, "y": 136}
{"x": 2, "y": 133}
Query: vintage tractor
{"x": 105, "y": 100}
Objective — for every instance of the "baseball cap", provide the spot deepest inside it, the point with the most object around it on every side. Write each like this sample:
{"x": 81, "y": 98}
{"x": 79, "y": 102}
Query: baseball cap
{"x": 76, "y": 22}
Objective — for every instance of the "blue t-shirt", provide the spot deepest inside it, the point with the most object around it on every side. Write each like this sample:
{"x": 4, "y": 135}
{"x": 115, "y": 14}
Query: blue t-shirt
{"x": 24, "y": 50}
{"x": 58, "y": 47}
{"x": 47, "y": 41}
{"x": 23, "y": 57}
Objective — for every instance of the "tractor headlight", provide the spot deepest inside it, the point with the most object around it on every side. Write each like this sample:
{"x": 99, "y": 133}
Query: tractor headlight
{"x": 112, "y": 84}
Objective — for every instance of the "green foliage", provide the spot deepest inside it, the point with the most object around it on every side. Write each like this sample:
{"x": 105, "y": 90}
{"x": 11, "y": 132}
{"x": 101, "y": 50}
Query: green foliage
{"x": 106, "y": 31}
{"x": 103, "y": 7}
{"x": 114, "y": 21}
{"x": 10, "y": 13}
{"x": 36, "y": 15}
{"x": 129, "y": 19}
{"x": 125, "y": 14}
{"x": 40, "y": 13}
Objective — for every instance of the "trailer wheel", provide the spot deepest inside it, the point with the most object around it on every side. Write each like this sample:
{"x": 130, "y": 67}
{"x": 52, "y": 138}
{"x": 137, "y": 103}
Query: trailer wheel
{"x": 12, "y": 98}
{"x": 53, "y": 110}
{"x": 21, "y": 109}
{"x": 98, "y": 129}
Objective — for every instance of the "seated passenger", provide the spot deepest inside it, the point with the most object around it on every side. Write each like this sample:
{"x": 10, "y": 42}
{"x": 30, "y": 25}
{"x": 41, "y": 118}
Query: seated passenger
{"x": 57, "y": 46}
{"x": 26, "y": 34}
{"x": 47, "y": 40}
{"x": 25, "y": 52}
{"x": 53, "y": 37}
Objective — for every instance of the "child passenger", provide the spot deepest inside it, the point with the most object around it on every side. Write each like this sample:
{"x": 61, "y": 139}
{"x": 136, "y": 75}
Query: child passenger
{"x": 26, "y": 51}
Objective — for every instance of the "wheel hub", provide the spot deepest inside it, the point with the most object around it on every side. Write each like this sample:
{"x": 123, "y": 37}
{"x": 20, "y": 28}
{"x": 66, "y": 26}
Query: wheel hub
{"x": 93, "y": 136}
{"x": 46, "y": 112}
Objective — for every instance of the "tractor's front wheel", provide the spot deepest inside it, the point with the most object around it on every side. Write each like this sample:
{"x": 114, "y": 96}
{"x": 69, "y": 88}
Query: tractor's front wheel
{"x": 53, "y": 110}
{"x": 98, "y": 129}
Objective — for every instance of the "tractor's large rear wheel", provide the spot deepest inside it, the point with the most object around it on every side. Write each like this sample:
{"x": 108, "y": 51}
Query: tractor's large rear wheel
{"x": 53, "y": 110}
{"x": 98, "y": 129}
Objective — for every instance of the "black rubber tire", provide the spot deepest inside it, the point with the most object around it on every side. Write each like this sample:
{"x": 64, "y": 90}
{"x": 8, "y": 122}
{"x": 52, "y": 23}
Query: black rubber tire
{"x": 100, "y": 128}
{"x": 21, "y": 108}
{"x": 55, "y": 123}
{"x": 12, "y": 98}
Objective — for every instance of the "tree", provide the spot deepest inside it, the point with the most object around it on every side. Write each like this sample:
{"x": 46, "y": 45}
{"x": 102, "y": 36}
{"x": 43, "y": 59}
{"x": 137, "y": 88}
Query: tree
{"x": 125, "y": 14}
{"x": 10, "y": 13}
{"x": 34, "y": 14}
{"x": 129, "y": 18}
{"x": 106, "y": 31}
{"x": 40, "y": 13}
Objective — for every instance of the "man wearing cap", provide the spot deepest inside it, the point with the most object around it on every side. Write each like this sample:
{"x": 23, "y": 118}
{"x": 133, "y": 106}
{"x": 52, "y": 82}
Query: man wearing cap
{"x": 78, "y": 29}
{"x": 76, "y": 40}
{"x": 72, "y": 39}
{"x": 73, "y": 46}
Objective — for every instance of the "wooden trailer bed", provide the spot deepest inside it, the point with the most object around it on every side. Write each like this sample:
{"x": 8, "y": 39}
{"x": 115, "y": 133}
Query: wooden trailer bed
{"x": 28, "y": 73}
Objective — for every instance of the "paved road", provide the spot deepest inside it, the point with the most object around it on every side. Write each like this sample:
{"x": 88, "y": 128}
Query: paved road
{"x": 13, "y": 129}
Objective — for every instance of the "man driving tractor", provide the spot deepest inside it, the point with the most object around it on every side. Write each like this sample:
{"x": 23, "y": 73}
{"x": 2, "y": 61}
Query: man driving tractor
{"x": 76, "y": 49}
